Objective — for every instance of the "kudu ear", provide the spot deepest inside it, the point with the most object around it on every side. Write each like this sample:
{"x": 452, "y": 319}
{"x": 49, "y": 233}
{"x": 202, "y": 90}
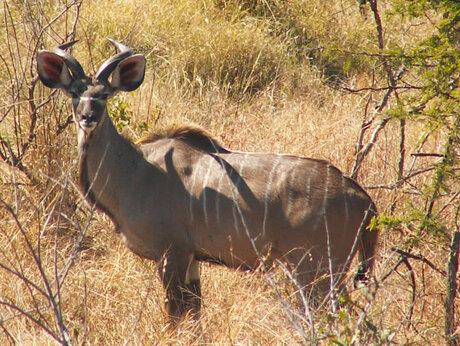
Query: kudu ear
{"x": 129, "y": 73}
{"x": 53, "y": 71}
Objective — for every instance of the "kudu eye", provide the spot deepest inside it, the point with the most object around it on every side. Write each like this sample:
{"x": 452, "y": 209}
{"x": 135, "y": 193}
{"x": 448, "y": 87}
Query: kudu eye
{"x": 100, "y": 96}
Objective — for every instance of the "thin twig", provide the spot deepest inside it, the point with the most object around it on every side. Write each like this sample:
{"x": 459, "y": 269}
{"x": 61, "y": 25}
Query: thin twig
{"x": 392, "y": 87}
{"x": 398, "y": 183}
{"x": 355, "y": 91}
{"x": 419, "y": 258}
{"x": 403, "y": 259}
{"x": 449, "y": 304}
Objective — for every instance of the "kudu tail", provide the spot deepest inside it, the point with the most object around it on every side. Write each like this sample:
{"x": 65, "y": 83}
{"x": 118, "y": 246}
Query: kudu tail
{"x": 366, "y": 247}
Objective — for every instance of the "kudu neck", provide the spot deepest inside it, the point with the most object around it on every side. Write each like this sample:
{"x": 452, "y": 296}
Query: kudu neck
{"x": 104, "y": 146}
{"x": 108, "y": 162}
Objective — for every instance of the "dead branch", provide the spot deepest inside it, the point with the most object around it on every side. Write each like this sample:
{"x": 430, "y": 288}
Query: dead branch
{"x": 48, "y": 291}
{"x": 12, "y": 151}
{"x": 405, "y": 179}
{"x": 427, "y": 155}
{"x": 361, "y": 155}
{"x": 386, "y": 88}
{"x": 393, "y": 78}
{"x": 419, "y": 257}
{"x": 450, "y": 323}
{"x": 403, "y": 259}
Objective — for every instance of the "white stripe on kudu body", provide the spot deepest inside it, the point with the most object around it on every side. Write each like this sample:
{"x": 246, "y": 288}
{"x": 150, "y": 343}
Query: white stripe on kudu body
{"x": 180, "y": 197}
{"x": 345, "y": 201}
{"x": 205, "y": 184}
{"x": 268, "y": 189}
{"x": 191, "y": 194}
{"x": 219, "y": 184}
{"x": 307, "y": 204}
{"x": 235, "y": 194}
{"x": 322, "y": 215}
{"x": 290, "y": 180}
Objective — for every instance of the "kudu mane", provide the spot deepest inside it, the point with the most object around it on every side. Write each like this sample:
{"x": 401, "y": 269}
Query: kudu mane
{"x": 194, "y": 136}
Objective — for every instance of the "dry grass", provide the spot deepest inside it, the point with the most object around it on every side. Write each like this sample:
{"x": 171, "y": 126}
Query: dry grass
{"x": 111, "y": 296}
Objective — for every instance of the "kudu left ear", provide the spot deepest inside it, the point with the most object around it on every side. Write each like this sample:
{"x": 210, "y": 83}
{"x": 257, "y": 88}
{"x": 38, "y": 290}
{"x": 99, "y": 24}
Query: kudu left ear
{"x": 53, "y": 71}
{"x": 129, "y": 73}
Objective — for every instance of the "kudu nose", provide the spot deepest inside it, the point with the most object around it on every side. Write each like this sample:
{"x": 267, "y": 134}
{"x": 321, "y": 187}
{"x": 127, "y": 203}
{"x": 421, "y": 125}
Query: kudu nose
{"x": 88, "y": 118}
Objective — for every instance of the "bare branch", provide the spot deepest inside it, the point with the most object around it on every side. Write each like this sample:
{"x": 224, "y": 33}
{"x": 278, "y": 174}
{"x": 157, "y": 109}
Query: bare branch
{"x": 399, "y": 87}
{"x": 361, "y": 155}
{"x": 392, "y": 87}
{"x": 403, "y": 259}
{"x": 406, "y": 254}
{"x": 449, "y": 304}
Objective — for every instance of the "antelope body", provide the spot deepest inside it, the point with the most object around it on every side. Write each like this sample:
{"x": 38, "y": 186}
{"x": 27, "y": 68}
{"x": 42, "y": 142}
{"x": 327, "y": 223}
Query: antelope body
{"x": 180, "y": 198}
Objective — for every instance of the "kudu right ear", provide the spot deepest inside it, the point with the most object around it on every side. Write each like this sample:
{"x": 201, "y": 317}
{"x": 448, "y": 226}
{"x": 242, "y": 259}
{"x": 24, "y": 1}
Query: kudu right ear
{"x": 129, "y": 73}
{"x": 53, "y": 71}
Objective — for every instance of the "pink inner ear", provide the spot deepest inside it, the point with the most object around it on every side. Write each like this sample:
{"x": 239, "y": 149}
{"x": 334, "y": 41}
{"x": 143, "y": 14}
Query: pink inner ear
{"x": 128, "y": 72}
{"x": 52, "y": 67}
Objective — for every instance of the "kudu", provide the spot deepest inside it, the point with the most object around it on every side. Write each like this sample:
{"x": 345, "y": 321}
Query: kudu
{"x": 180, "y": 198}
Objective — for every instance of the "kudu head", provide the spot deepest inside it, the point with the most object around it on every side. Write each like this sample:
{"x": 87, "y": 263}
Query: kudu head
{"x": 122, "y": 72}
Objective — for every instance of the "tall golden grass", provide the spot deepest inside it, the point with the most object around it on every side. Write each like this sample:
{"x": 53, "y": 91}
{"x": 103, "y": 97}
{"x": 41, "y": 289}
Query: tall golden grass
{"x": 231, "y": 67}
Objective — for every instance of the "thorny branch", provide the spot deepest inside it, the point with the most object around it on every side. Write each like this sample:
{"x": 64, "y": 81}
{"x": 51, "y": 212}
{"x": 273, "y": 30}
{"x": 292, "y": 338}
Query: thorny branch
{"x": 13, "y": 153}
{"x": 23, "y": 113}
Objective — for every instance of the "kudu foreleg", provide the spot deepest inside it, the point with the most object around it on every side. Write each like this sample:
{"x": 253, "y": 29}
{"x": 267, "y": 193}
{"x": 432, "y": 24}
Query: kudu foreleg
{"x": 180, "y": 276}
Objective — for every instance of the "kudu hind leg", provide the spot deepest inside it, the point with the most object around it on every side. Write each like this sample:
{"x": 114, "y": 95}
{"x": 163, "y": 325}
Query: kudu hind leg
{"x": 180, "y": 276}
{"x": 307, "y": 279}
{"x": 192, "y": 288}
{"x": 315, "y": 282}
{"x": 366, "y": 249}
{"x": 318, "y": 287}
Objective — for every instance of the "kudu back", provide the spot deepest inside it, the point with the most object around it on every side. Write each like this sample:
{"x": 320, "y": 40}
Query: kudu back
{"x": 180, "y": 197}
